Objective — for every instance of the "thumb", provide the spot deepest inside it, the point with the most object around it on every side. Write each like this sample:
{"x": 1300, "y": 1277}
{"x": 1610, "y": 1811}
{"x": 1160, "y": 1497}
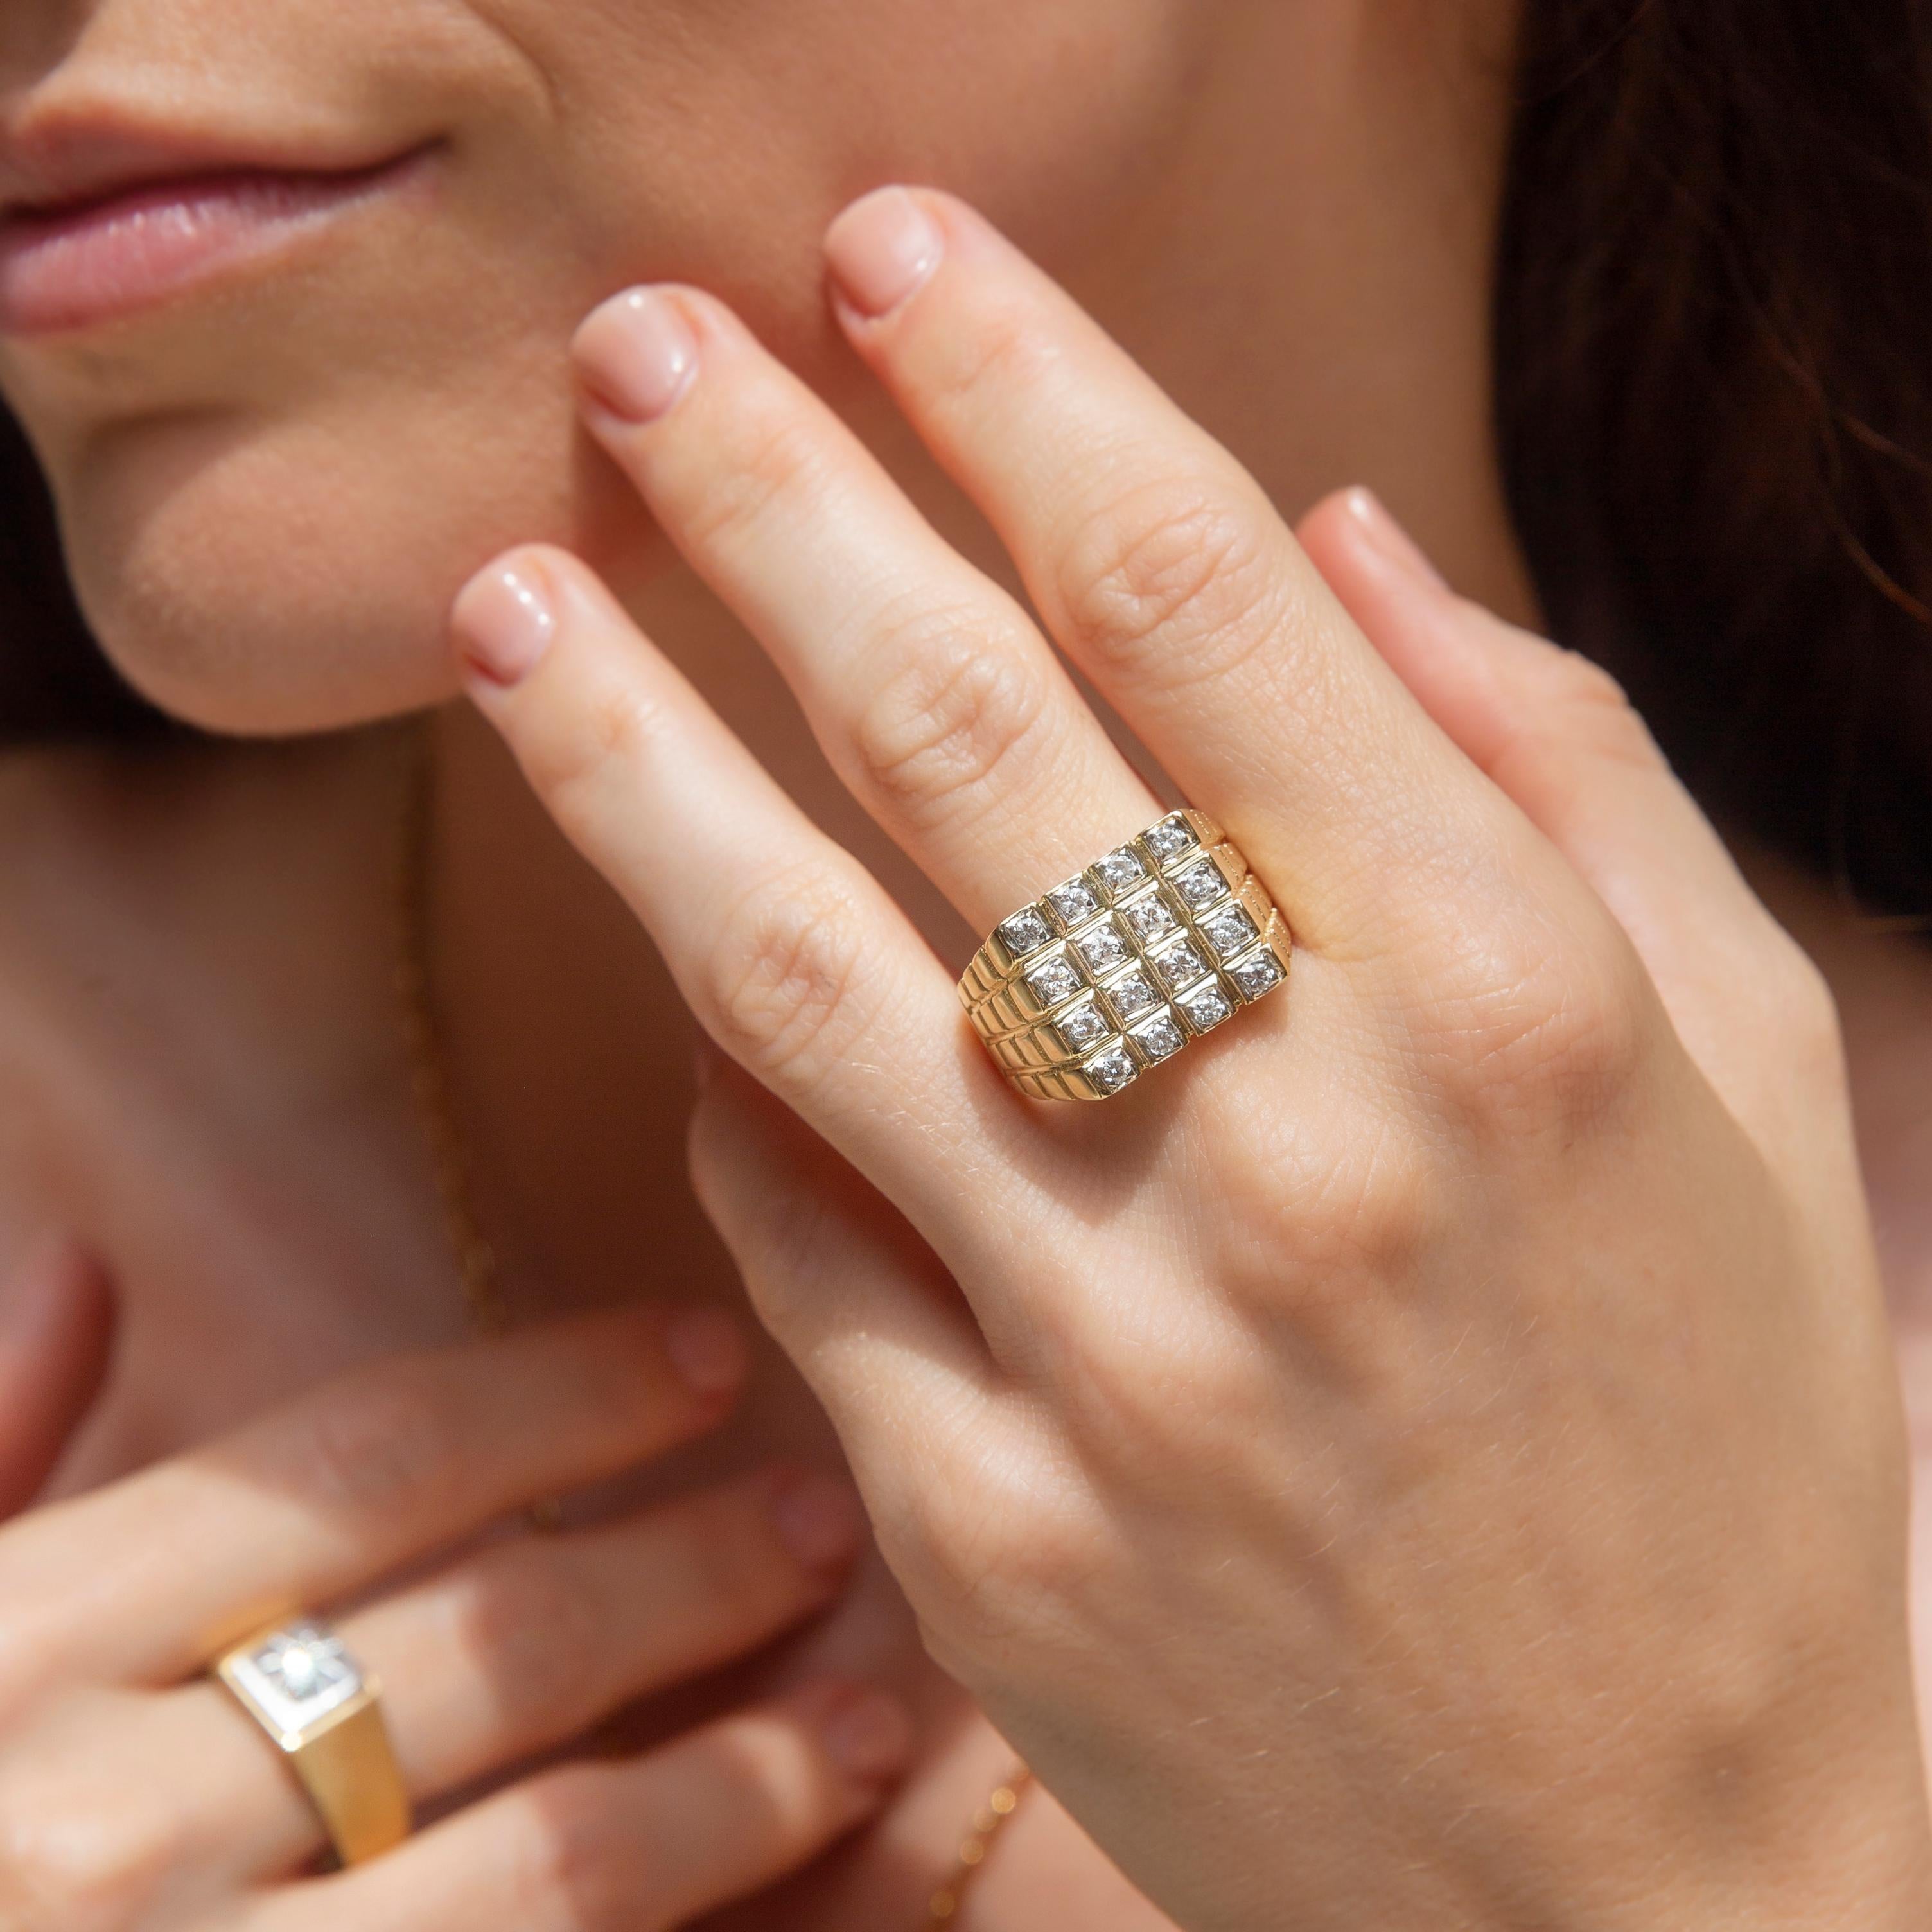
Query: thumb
{"x": 56, "y": 1336}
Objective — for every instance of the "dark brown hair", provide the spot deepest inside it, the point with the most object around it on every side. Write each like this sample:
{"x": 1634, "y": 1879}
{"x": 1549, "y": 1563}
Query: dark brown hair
{"x": 1714, "y": 342}
{"x": 1714, "y": 293}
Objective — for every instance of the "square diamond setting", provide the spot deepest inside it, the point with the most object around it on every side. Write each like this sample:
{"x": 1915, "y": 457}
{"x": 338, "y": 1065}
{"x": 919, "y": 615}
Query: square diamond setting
{"x": 1131, "y": 995}
{"x": 1201, "y": 884}
{"x": 1086, "y": 1026}
{"x": 1260, "y": 972}
{"x": 296, "y": 1675}
{"x": 1150, "y": 918}
{"x": 1119, "y": 871}
{"x": 1025, "y": 932}
{"x": 1179, "y": 965}
{"x": 1229, "y": 931}
{"x": 1160, "y": 1039}
{"x": 1074, "y": 901}
{"x": 1102, "y": 946}
{"x": 1206, "y": 1007}
{"x": 1054, "y": 981}
{"x": 1111, "y": 1070}
{"x": 1170, "y": 838}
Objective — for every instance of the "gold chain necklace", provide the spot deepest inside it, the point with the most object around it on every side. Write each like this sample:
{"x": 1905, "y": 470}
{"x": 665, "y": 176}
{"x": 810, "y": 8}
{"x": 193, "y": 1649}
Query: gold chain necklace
{"x": 477, "y": 1265}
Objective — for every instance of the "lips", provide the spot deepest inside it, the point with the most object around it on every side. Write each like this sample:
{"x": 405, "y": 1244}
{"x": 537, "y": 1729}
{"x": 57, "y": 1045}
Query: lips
{"x": 93, "y": 248}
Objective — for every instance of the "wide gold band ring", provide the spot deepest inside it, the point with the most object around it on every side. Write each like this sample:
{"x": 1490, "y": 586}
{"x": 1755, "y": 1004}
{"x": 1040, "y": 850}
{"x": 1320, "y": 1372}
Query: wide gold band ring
{"x": 323, "y": 1712}
{"x": 1118, "y": 968}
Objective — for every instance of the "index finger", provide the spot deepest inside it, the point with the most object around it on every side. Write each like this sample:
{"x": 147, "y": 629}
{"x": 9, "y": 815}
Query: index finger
{"x": 146, "y": 1580}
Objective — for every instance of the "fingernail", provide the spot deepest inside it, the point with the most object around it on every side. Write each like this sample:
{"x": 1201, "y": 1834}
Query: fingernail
{"x": 503, "y": 622}
{"x": 636, "y": 354}
{"x": 817, "y": 1520}
{"x": 881, "y": 249}
{"x": 868, "y": 1734}
{"x": 1391, "y": 541}
{"x": 708, "y": 1349}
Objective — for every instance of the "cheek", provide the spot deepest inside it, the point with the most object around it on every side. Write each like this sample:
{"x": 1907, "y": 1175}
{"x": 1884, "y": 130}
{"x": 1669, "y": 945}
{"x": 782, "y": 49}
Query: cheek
{"x": 268, "y": 504}
{"x": 294, "y": 575}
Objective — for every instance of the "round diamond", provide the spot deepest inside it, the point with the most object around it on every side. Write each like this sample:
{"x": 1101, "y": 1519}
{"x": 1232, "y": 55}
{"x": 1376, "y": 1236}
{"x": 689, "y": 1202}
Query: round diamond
{"x": 1229, "y": 930}
{"x": 1074, "y": 901}
{"x": 298, "y": 1668}
{"x": 1085, "y": 1027}
{"x": 1206, "y": 1008}
{"x": 1025, "y": 932}
{"x": 1102, "y": 946}
{"x": 1202, "y": 884}
{"x": 1130, "y": 995}
{"x": 1160, "y": 1039}
{"x": 1149, "y": 918}
{"x": 1258, "y": 973}
{"x": 1119, "y": 871}
{"x": 1053, "y": 981}
{"x": 1169, "y": 838}
{"x": 1179, "y": 965}
{"x": 1112, "y": 1070}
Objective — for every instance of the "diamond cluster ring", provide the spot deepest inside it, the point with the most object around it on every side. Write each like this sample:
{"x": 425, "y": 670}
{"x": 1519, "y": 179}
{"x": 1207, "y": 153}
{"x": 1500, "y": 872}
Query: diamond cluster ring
{"x": 320, "y": 1708}
{"x": 1119, "y": 968}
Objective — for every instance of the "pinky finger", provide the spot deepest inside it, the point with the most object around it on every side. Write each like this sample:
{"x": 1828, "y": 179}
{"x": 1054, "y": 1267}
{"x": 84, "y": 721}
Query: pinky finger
{"x": 647, "y": 1844}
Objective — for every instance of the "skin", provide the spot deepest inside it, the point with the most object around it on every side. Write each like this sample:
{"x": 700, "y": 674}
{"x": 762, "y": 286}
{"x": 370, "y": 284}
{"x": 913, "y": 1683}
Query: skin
{"x": 1404, "y": 1263}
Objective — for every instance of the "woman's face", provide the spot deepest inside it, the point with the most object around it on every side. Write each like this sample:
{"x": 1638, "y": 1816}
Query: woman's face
{"x": 272, "y": 476}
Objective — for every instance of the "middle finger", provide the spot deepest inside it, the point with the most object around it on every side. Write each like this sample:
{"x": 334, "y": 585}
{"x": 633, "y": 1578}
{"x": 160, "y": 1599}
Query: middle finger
{"x": 931, "y": 692}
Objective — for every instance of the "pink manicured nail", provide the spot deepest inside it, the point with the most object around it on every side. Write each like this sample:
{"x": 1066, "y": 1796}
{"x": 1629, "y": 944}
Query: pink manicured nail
{"x": 503, "y": 621}
{"x": 881, "y": 249}
{"x": 636, "y": 354}
{"x": 1394, "y": 543}
{"x": 818, "y": 1520}
{"x": 868, "y": 1734}
{"x": 708, "y": 1349}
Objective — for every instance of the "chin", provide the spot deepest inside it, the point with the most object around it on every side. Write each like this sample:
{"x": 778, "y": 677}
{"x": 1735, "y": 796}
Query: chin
{"x": 274, "y": 579}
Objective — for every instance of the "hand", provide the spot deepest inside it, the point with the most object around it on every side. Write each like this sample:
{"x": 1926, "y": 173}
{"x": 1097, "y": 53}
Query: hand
{"x": 134, "y": 1793}
{"x": 1430, "y": 1456}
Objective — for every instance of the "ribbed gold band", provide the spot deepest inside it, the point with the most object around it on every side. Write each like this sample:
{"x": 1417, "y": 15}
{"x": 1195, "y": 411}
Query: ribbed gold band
{"x": 1121, "y": 967}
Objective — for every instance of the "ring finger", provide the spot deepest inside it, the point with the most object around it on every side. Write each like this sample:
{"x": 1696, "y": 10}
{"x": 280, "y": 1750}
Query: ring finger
{"x": 529, "y": 1642}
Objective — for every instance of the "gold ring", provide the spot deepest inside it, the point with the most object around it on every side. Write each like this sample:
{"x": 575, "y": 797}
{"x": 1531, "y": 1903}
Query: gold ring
{"x": 323, "y": 1712}
{"x": 1121, "y": 967}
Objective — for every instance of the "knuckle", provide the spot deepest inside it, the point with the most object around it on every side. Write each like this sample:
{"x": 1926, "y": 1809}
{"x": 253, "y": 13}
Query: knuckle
{"x": 1536, "y": 1030}
{"x": 76, "y": 1869}
{"x": 772, "y": 453}
{"x": 531, "y": 1636}
{"x": 997, "y": 1562}
{"x": 781, "y": 979}
{"x": 722, "y": 1549}
{"x": 945, "y": 726}
{"x": 1179, "y": 560}
{"x": 790, "y": 1242}
{"x": 1003, "y": 351}
{"x": 568, "y": 1869}
{"x": 614, "y": 731}
{"x": 1597, "y": 713}
{"x": 377, "y": 1443}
